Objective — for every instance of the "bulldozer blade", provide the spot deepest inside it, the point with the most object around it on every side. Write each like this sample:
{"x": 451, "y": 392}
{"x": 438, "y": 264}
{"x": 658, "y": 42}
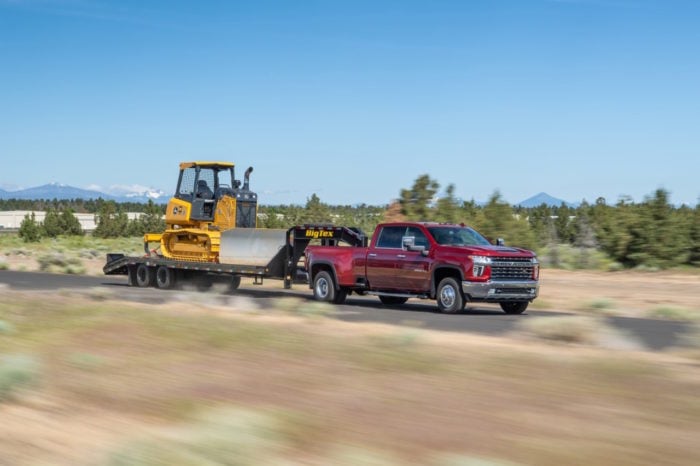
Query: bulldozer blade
{"x": 250, "y": 246}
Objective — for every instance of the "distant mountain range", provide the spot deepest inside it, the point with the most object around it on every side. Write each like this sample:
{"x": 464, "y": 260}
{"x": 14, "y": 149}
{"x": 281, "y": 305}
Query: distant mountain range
{"x": 65, "y": 192}
{"x": 544, "y": 198}
{"x": 140, "y": 194}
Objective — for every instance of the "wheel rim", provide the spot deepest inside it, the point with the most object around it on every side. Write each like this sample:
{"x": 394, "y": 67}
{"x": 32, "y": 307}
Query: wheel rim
{"x": 322, "y": 287}
{"x": 448, "y": 296}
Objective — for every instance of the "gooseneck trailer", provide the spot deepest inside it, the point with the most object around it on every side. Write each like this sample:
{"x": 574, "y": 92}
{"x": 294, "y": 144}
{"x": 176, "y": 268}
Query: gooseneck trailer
{"x": 244, "y": 252}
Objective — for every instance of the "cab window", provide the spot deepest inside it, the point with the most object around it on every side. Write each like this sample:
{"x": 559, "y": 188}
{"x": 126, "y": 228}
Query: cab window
{"x": 390, "y": 237}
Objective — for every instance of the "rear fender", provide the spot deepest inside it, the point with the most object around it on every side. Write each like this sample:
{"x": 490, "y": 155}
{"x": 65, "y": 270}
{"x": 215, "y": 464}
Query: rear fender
{"x": 318, "y": 266}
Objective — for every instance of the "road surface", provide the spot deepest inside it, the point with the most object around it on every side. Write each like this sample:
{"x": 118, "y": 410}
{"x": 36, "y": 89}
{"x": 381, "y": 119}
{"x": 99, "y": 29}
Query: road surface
{"x": 478, "y": 319}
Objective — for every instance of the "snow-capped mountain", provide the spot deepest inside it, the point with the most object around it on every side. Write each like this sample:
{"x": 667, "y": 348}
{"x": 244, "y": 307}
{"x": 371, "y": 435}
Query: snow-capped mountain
{"x": 134, "y": 193}
{"x": 65, "y": 192}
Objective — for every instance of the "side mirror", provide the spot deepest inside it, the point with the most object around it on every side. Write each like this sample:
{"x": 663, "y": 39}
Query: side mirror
{"x": 500, "y": 242}
{"x": 409, "y": 244}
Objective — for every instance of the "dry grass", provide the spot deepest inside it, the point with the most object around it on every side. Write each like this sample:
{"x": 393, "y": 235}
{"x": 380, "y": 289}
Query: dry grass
{"x": 125, "y": 384}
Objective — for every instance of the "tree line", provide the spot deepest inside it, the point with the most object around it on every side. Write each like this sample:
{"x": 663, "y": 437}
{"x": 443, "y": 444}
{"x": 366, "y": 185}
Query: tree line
{"x": 110, "y": 218}
{"x": 652, "y": 233}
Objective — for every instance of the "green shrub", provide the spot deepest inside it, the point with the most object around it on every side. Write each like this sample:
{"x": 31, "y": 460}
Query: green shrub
{"x": 600, "y": 305}
{"x": 57, "y": 262}
{"x": 17, "y": 372}
{"x": 4, "y": 266}
{"x": 222, "y": 437}
{"x": 6, "y": 328}
{"x": 673, "y": 313}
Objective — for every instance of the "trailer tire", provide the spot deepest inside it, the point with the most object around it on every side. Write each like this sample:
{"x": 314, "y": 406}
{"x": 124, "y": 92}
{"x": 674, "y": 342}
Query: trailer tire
{"x": 449, "y": 296}
{"x": 234, "y": 283}
{"x": 145, "y": 276}
{"x": 131, "y": 274}
{"x": 165, "y": 277}
{"x": 324, "y": 288}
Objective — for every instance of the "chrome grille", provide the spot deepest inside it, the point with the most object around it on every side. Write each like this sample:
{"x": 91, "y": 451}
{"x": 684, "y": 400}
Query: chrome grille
{"x": 511, "y": 268}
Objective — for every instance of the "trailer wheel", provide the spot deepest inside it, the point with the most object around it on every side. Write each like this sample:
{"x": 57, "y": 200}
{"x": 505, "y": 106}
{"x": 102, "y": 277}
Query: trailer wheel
{"x": 234, "y": 283}
{"x": 131, "y": 274}
{"x": 517, "y": 307}
{"x": 449, "y": 296}
{"x": 165, "y": 277}
{"x": 324, "y": 287}
{"x": 144, "y": 276}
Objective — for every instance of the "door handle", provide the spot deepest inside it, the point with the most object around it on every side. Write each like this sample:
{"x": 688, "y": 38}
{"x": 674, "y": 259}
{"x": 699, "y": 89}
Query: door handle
{"x": 401, "y": 256}
{"x": 371, "y": 255}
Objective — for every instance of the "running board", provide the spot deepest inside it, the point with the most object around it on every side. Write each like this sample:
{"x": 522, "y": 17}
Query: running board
{"x": 398, "y": 295}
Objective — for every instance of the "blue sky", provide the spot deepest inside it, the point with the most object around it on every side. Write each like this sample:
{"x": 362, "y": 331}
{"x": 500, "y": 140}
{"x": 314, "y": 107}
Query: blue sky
{"x": 353, "y": 100}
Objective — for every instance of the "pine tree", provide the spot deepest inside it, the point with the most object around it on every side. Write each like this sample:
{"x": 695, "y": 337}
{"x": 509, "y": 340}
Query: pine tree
{"x": 29, "y": 229}
{"x": 52, "y": 223}
{"x": 694, "y": 256}
{"x": 69, "y": 223}
{"x": 447, "y": 209}
{"x": 111, "y": 221}
{"x": 501, "y": 221}
{"x": 416, "y": 202}
{"x": 316, "y": 211}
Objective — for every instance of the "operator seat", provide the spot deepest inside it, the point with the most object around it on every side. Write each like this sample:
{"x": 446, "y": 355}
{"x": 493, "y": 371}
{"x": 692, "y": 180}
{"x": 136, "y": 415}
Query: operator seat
{"x": 204, "y": 191}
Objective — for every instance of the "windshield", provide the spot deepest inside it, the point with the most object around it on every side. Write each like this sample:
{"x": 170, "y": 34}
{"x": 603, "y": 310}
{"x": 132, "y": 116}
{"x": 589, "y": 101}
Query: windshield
{"x": 457, "y": 236}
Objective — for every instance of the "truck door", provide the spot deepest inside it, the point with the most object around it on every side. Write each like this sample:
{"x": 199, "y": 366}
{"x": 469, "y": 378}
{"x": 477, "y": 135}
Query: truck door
{"x": 383, "y": 257}
{"x": 413, "y": 268}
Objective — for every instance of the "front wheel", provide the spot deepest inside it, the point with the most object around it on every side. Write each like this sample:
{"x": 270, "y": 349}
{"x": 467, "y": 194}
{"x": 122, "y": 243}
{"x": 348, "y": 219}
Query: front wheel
{"x": 517, "y": 307}
{"x": 449, "y": 296}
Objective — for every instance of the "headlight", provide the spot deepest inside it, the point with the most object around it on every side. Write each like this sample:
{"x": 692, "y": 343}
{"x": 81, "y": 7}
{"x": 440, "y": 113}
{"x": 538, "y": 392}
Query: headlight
{"x": 481, "y": 260}
{"x": 480, "y": 265}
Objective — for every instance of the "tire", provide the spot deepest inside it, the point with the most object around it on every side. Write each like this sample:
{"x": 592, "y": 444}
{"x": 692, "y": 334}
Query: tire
{"x": 392, "y": 300}
{"x": 449, "y": 296}
{"x": 203, "y": 283}
{"x": 514, "y": 307}
{"x": 324, "y": 288}
{"x": 145, "y": 276}
{"x": 234, "y": 283}
{"x": 131, "y": 274}
{"x": 165, "y": 278}
{"x": 340, "y": 296}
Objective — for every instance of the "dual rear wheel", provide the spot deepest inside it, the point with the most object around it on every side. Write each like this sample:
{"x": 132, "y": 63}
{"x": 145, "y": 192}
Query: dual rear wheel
{"x": 144, "y": 276}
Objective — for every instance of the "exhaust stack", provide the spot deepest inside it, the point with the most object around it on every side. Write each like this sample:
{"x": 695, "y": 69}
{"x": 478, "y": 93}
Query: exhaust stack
{"x": 246, "y": 178}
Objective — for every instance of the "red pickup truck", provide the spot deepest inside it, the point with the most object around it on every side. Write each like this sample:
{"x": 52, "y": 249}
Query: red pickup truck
{"x": 452, "y": 264}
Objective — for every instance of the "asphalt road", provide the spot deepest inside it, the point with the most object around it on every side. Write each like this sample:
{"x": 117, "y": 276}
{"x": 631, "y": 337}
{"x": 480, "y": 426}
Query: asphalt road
{"x": 480, "y": 319}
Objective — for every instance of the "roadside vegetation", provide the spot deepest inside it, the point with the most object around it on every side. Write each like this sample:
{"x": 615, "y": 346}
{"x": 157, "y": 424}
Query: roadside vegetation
{"x": 650, "y": 235}
{"x": 229, "y": 383}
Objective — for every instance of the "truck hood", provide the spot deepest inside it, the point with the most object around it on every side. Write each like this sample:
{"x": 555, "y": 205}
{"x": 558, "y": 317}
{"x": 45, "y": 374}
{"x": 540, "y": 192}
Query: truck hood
{"x": 491, "y": 251}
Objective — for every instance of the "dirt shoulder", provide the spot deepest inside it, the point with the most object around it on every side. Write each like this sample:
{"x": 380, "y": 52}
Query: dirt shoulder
{"x": 625, "y": 293}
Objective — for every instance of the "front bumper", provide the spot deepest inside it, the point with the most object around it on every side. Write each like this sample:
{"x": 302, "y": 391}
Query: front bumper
{"x": 497, "y": 291}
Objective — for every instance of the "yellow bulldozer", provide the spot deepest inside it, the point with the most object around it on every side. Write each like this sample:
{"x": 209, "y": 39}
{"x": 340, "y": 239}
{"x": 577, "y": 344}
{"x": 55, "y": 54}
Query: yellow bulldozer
{"x": 208, "y": 201}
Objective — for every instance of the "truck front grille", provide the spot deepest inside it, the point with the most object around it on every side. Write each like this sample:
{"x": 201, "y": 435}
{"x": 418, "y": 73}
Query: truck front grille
{"x": 511, "y": 268}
